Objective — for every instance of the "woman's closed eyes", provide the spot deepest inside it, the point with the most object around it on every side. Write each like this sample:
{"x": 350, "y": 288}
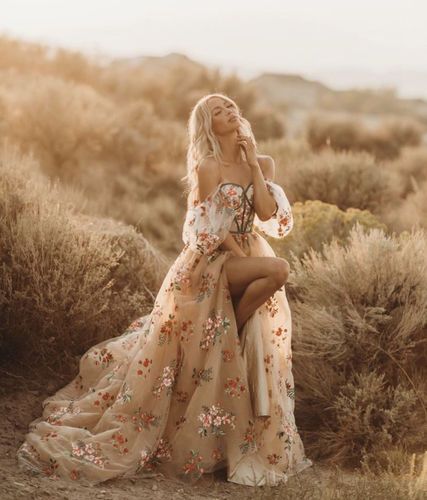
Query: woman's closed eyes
{"x": 217, "y": 113}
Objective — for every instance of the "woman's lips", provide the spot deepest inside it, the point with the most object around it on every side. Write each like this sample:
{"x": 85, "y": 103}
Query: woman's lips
{"x": 232, "y": 118}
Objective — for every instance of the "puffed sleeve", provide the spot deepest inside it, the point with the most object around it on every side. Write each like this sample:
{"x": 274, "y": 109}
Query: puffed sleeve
{"x": 206, "y": 224}
{"x": 281, "y": 222}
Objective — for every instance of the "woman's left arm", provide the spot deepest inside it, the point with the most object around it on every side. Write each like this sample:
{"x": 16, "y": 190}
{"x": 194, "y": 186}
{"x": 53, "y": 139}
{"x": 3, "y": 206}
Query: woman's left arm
{"x": 264, "y": 202}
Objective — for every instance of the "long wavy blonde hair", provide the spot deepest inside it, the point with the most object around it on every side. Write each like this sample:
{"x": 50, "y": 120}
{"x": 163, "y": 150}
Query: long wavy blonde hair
{"x": 202, "y": 142}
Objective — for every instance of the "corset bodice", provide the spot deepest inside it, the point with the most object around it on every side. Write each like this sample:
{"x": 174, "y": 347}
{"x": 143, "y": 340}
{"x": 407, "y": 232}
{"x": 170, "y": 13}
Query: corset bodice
{"x": 242, "y": 201}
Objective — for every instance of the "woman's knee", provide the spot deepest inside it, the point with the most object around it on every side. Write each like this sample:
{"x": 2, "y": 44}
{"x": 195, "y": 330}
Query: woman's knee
{"x": 281, "y": 270}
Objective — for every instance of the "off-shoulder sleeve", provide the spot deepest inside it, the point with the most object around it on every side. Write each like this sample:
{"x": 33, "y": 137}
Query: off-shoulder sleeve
{"x": 206, "y": 225}
{"x": 281, "y": 222}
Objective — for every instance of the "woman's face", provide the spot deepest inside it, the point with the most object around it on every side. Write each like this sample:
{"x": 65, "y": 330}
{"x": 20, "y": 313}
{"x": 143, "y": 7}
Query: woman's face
{"x": 225, "y": 116}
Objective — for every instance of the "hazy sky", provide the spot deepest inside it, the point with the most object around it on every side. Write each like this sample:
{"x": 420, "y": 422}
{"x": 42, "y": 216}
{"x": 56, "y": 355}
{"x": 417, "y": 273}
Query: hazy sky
{"x": 337, "y": 40}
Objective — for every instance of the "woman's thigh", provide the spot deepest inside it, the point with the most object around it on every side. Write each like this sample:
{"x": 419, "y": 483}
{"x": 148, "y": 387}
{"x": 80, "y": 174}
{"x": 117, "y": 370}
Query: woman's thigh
{"x": 242, "y": 271}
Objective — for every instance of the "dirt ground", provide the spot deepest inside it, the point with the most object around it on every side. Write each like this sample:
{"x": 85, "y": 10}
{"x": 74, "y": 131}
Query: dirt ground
{"x": 20, "y": 403}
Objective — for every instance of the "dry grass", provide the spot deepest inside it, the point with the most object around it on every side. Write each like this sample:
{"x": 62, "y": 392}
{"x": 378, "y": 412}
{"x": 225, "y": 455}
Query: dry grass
{"x": 360, "y": 315}
{"x": 409, "y": 482}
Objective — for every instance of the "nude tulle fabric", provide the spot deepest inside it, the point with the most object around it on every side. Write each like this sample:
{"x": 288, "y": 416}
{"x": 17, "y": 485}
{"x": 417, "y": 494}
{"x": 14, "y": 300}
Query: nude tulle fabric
{"x": 178, "y": 392}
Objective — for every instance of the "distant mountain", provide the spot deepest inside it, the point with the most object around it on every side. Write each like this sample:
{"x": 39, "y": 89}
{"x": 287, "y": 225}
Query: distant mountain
{"x": 296, "y": 93}
{"x": 160, "y": 64}
{"x": 409, "y": 83}
{"x": 292, "y": 89}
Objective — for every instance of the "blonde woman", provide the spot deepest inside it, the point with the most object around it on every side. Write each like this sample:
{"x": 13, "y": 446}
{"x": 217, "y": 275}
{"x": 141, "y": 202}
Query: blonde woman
{"x": 204, "y": 382}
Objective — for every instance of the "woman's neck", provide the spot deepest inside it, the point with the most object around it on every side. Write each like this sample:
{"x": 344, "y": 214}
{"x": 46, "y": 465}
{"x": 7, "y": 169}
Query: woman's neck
{"x": 231, "y": 151}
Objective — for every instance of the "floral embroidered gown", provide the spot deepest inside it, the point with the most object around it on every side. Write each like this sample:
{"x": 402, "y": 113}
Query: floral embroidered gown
{"x": 178, "y": 391}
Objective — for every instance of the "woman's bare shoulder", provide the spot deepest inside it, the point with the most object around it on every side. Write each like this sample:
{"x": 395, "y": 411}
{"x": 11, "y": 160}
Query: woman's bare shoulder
{"x": 208, "y": 168}
{"x": 209, "y": 176}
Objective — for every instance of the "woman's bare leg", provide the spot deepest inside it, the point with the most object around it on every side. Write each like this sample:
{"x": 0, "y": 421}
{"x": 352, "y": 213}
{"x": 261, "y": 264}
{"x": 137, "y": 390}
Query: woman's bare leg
{"x": 254, "y": 296}
{"x": 252, "y": 280}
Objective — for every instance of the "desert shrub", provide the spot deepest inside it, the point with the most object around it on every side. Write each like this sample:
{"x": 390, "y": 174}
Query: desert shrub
{"x": 285, "y": 153}
{"x": 317, "y": 223}
{"x": 411, "y": 169}
{"x": 339, "y": 134}
{"x": 344, "y": 179}
{"x": 405, "y": 132}
{"x": 384, "y": 142}
{"x": 266, "y": 124}
{"x": 410, "y": 212}
{"x": 62, "y": 275}
{"x": 37, "y": 58}
{"x": 363, "y": 100}
{"x": 153, "y": 203}
{"x": 360, "y": 316}
{"x": 71, "y": 127}
{"x": 115, "y": 155}
{"x": 410, "y": 177}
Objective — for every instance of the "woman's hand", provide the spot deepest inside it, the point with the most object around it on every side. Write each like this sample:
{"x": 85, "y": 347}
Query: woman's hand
{"x": 249, "y": 147}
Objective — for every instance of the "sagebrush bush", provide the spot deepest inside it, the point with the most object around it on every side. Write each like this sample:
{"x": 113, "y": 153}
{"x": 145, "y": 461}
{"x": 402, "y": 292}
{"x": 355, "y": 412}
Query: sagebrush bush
{"x": 266, "y": 124}
{"x": 360, "y": 317}
{"x": 317, "y": 223}
{"x": 285, "y": 153}
{"x": 114, "y": 154}
{"x": 345, "y": 179}
{"x": 383, "y": 142}
{"x": 411, "y": 169}
{"x": 71, "y": 127}
{"x": 65, "y": 283}
{"x": 364, "y": 100}
{"x": 410, "y": 212}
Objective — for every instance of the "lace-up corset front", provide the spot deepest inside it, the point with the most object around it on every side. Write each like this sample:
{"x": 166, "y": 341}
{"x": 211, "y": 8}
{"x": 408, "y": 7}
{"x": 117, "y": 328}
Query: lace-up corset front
{"x": 242, "y": 201}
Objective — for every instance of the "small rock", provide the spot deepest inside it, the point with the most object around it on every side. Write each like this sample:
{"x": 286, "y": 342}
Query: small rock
{"x": 154, "y": 487}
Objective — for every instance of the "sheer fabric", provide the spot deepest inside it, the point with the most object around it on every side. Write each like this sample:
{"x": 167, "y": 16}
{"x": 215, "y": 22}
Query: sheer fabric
{"x": 207, "y": 223}
{"x": 281, "y": 222}
{"x": 178, "y": 391}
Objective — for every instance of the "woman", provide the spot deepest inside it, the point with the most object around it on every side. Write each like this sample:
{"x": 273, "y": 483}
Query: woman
{"x": 204, "y": 381}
